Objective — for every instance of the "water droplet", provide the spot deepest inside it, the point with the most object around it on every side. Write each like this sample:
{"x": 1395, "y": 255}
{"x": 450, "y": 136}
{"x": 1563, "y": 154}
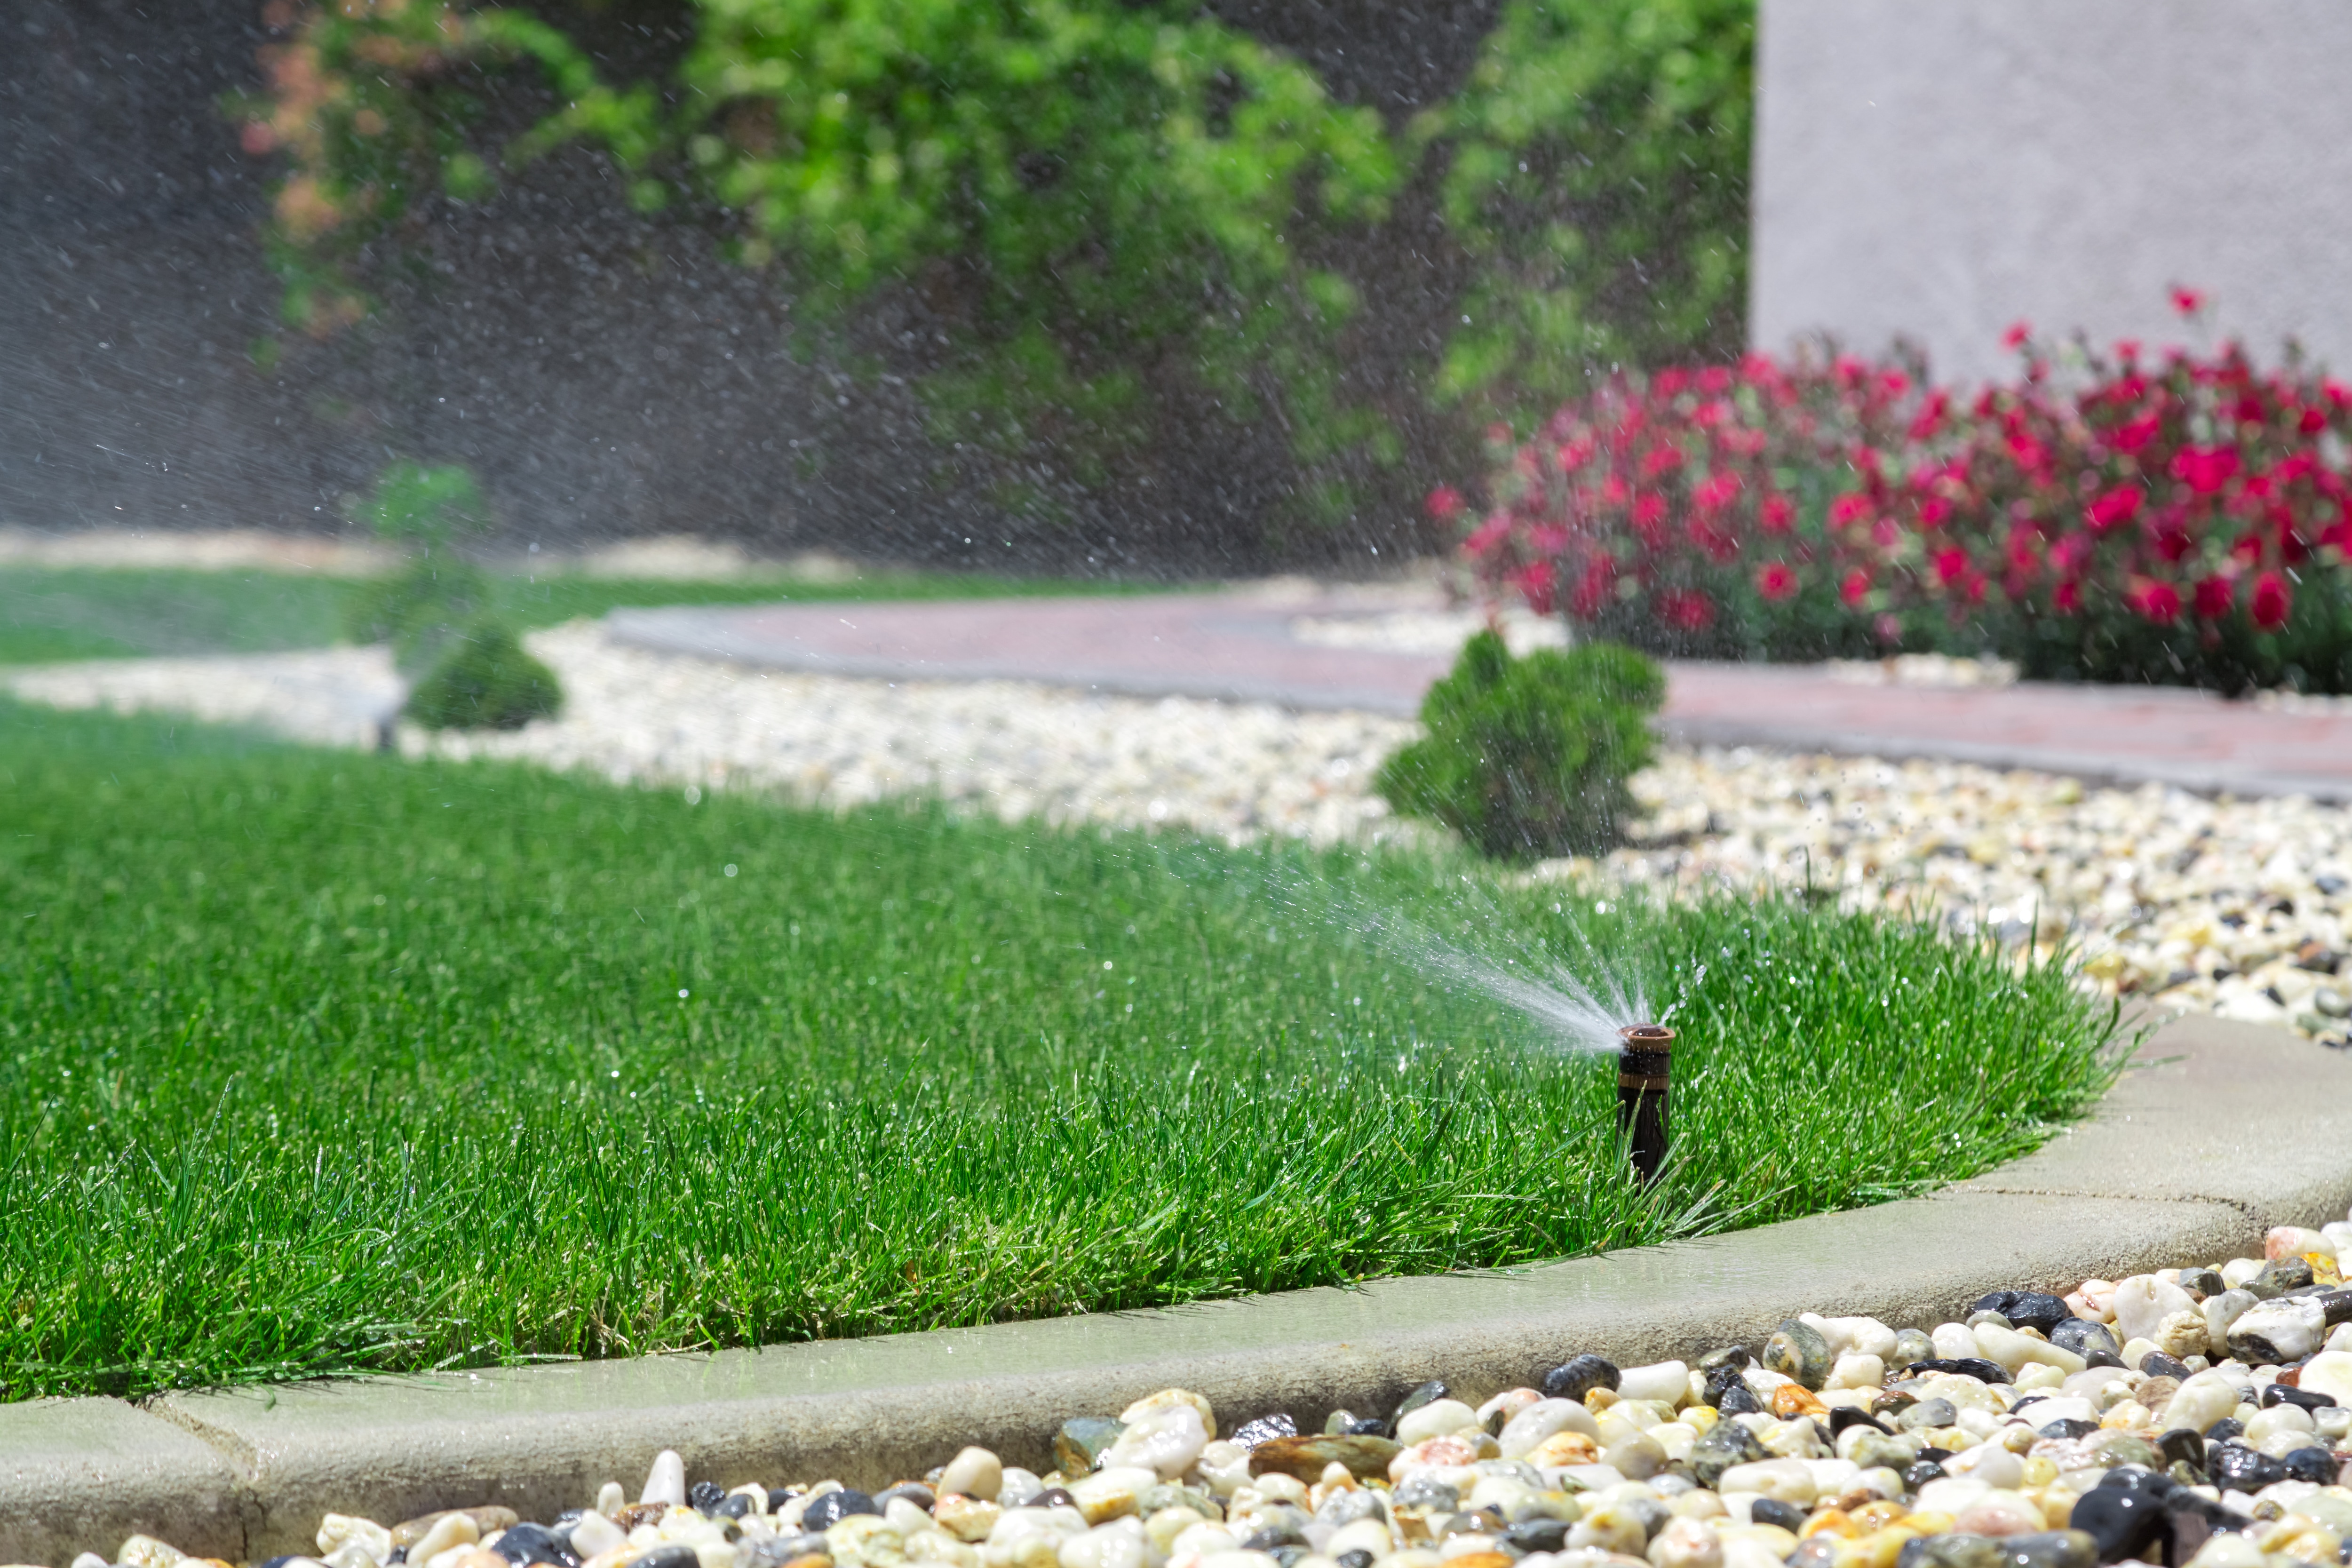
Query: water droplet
{"x": 682, "y": 994}
{"x": 730, "y": 871}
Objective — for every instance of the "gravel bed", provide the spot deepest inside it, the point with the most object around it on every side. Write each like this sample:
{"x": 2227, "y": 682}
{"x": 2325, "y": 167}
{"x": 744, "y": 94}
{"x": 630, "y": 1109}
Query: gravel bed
{"x": 2196, "y": 1417}
{"x": 2232, "y": 905}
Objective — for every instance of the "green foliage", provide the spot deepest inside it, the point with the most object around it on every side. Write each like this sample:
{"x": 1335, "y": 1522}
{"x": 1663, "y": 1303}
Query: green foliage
{"x": 321, "y": 1062}
{"x": 1599, "y": 171}
{"x": 1528, "y": 757}
{"x": 485, "y": 680}
{"x": 1118, "y": 222}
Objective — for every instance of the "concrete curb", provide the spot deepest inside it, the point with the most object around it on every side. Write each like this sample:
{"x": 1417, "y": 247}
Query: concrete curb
{"x": 2186, "y": 1160}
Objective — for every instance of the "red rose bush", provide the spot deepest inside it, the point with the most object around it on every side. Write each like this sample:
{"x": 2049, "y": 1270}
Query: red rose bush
{"x": 2182, "y": 519}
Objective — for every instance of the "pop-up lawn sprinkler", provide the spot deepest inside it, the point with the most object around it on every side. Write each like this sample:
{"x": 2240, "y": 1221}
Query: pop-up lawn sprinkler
{"x": 1645, "y": 1072}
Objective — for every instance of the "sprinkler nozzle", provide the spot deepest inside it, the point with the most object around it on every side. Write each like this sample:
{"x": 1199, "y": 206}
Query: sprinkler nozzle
{"x": 1644, "y": 1073}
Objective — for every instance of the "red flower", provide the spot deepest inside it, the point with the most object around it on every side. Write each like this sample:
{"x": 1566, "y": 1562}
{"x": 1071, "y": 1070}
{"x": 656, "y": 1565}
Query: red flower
{"x": 1850, "y": 507}
{"x": 2212, "y": 597}
{"x": 1650, "y": 512}
{"x": 1536, "y": 585}
{"x": 1660, "y": 460}
{"x": 1487, "y": 535}
{"x": 2068, "y": 597}
{"x": 1670, "y": 381}
{"x": 1776, "y": 580}
{"x": 1855, "y": 588}
{"x": 2271, "y": 601}
{"x": 1718, "y": 491}
{"x": 2017, "y": 334}
{"x": 2131, "y": 437}
{"x": 1687, "y": 609}
{"x": 2159, "y": 602}
{"x": 2116, "y": 508}
{"x": 1933, "y": 510}
{"x": 1949, "y": 564}
{"x": 2188, "y": 301}
{"x": 2205, "y": 469}
{"x": 1714, "y": 380}
{"x": 1573, "y": 455}
{"x": 1445, "y": 504}
{"x": 1776, "y": 515}
{"x": 1594, "y": 589}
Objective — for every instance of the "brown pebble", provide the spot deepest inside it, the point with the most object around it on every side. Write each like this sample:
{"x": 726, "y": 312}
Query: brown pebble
{"x": 814, "y": 1560}
{"x": 1482, "y": 1560}
{"x": 485, "y": 1518}
{"x": 638, "y": 1513}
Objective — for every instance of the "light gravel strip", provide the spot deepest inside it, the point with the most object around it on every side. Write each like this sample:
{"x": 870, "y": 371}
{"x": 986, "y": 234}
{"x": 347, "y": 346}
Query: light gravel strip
{"x": 2232, "y": 905}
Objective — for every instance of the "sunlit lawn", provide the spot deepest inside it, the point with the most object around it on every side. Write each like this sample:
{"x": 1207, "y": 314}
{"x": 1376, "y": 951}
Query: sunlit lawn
{"x": 315, "y": 1061}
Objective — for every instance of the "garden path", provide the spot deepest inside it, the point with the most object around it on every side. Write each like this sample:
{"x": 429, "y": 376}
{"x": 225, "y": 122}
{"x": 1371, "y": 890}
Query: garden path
{"x": 1248, "y": 646}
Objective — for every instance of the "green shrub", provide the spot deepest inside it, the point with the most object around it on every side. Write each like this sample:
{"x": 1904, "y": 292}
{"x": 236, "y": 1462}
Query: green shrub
{"x": 1528, "y": 757}
{"x": 485, "y": 681}
{"x": 421, "y": 608}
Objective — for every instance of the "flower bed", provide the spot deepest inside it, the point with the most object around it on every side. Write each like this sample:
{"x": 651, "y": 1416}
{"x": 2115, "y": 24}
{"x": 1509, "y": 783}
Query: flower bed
{"x": 2110, "y": 516}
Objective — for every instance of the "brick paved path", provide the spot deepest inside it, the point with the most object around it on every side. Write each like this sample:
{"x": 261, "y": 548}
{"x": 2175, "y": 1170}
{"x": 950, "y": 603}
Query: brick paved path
{"x": 1241, "y": 648}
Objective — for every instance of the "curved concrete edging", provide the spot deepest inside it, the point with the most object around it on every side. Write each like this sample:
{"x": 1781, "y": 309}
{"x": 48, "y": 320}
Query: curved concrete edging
{"x": 2225, "y": 1130}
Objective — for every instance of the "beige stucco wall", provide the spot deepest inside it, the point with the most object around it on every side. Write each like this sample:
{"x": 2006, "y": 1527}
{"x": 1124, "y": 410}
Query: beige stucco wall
{"x": 1938, "y": 168}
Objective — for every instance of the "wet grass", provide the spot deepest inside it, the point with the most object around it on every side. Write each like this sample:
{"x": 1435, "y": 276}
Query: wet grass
{"x": 319, "y": 1062}
{"x": 54, "y": 613}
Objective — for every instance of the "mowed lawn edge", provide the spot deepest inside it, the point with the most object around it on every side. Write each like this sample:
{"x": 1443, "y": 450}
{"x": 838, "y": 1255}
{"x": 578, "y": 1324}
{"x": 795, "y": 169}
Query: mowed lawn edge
{"x": 319, "y": 1062}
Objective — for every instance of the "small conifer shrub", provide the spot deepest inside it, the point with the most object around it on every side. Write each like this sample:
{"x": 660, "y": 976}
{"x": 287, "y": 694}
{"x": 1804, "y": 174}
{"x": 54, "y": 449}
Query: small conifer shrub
{"x": 1527, "y": 758}
{"x": 485, "y": 681}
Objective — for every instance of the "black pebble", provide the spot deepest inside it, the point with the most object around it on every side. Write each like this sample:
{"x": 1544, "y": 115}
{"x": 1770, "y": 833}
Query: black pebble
{"x": 1360, "y": 1558}
{"x": 1265, "y": 1429}
{"x": 1053, "y": 1496}
{"x": 1846, "y": 1415}
{"x": 1429, "y": 1393}
{"x": 1580, "y": 1375}
{"x": 1740, "y": 1400}
{"x": 2182, "y": 1446}
{"x": 2082, "y": 1336}
{"x": 2068, "y": 1429}
{"x": 1920, "y": 1471}
{"x": 1974, "y": 1366}
{"x": 535, "y": 1543}
{"x": 704, "y": 1496}
{"x": 670, "y": 1556}
{"x": 2280, "y": 1394}
{"x": 2025, "y": 1309}
{"x": 2202, "y": 1283}
{"x": 734, "y": 1505}
{"x": 915, "y": 1492}
{"x": 1772, "y": 1510}
{"x": 2155, "y": 1363}
{"x": 1533, "y": 1535}
{"x": 2123, "y": 1520}
{"x": 779, "y": 1496}
{"x": 2224, "y": 1429}
{"x": 2316, "y": 1466}
{"x": 833, "y": 1507}
{"x": 1284, "y": 1556}
{"x": 1366, "y": 1426}
{"x": 2234, "y": 1465}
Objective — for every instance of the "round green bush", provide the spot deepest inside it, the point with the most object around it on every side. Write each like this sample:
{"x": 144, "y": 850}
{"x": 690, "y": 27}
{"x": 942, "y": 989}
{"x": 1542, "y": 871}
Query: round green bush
{"x": 485, "y": 682}
{"x": 1527, "y": 758}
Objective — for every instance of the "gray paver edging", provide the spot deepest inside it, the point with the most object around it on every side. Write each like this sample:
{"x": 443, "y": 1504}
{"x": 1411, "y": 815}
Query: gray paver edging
{"x": 2221, "y": 1130}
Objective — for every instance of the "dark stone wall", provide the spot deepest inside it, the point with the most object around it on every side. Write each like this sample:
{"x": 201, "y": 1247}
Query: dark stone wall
{"x": 605, "y": 375}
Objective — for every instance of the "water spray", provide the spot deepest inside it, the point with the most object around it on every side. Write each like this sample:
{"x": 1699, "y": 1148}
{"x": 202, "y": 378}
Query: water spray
{"x": 1644, "y": 1073}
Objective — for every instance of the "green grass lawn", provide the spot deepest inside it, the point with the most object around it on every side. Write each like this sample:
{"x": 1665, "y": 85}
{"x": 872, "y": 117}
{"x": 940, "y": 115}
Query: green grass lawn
{"x": 316, "y": 1062}
{"x": 49, "y": 614}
